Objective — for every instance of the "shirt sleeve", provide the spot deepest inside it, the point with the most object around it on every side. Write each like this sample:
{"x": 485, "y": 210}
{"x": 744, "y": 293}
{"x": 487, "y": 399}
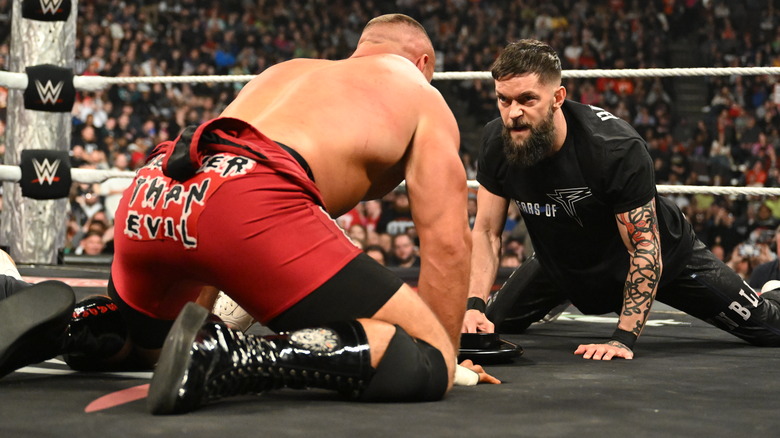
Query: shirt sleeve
{"x": 491, "y": 163}
{"x": 629, "y": 173}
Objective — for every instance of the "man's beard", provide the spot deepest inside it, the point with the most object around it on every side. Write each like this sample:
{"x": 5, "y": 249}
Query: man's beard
{"x": 537, "y": 147}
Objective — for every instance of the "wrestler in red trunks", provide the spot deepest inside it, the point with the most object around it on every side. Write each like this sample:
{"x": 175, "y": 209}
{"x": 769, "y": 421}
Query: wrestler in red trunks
{"x": 276, "y": 246}
{"x": 224, "y": 207}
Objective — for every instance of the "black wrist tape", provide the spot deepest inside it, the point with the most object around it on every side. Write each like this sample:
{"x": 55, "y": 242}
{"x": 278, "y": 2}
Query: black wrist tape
{"x": 624, "y": 337}
{"x": 476, "y": 303}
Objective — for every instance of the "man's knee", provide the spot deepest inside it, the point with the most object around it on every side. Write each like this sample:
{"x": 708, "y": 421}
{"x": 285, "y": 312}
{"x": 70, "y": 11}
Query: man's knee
{"x": 410, "y": 370}
{"x": 759, "y": 325}
{"x": 11, "y": 286}
{"x": 96, "y": 333}
{"x": 770, "y": 315}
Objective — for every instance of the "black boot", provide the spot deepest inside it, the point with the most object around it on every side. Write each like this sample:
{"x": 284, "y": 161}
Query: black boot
{"x": 203, "y": 360}
{"x": 33, "y": 324}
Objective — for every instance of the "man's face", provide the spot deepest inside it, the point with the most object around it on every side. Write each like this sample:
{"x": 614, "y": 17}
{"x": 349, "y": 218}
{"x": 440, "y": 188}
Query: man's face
{"x": 403, "y": 248}
{"x": 93, "y": 245}
{"x": 377, "y": 255}
{"x": 527, "y": 110}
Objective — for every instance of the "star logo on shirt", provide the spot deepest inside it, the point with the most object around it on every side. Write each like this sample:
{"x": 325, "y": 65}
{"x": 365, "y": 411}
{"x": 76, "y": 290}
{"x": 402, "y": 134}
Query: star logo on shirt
{"x": 568, "y": 197}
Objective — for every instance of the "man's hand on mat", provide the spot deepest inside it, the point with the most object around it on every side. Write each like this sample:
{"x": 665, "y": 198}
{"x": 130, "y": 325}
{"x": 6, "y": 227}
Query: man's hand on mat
{"x": 604, "y": 351}
{"x": 466, "y": 370}
{"x": 476, "y": 322}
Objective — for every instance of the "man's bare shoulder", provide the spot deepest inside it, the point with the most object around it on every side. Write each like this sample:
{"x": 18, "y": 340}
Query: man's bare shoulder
{"x": 301, "y": 64}
{"x": 390, "y": 65}
{"x": 388, "y": 68}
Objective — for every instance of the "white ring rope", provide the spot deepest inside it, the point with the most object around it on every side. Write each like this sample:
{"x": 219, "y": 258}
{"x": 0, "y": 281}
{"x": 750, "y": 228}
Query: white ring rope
{"x": 719, "y": 190}
{"x": 630, "y": 73}
{"x": 89, "y": 176}
{"x": 18, "y": 81}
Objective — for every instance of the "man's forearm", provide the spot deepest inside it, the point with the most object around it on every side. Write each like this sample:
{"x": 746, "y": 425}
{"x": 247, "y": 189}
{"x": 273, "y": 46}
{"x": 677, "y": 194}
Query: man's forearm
{"x": 484, "y": 265}
{"x": 443, "y": 282}
{"x": 638, "y": 297}
{"x": 644, "y": 271}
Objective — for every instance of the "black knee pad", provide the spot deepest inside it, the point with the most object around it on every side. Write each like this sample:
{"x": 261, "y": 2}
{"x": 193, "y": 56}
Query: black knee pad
{"x": 96, "y": 332}
{"x": 411, "y": 370}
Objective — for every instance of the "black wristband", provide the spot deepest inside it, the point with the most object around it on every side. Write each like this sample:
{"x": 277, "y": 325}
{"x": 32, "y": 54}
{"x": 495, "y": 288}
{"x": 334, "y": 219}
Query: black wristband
{"x": 476, "y": 303}
{"x": 624, "y": 337}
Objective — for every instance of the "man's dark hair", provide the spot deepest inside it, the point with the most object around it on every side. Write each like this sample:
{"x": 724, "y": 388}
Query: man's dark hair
{"x": 526, "y": 57}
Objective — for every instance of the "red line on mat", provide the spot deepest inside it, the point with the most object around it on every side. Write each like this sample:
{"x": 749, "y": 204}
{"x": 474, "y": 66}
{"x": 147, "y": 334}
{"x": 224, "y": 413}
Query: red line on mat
{"x": 118, "y": 398}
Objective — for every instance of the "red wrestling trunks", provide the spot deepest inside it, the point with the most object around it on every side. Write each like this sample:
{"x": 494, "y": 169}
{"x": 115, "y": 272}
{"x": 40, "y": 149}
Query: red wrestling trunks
{"x": 223, "y": 206}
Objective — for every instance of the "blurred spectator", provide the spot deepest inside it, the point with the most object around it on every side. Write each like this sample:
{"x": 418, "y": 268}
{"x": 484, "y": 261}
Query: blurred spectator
{"x": 469, "y": 164}
{"x": 377, "y": 253}
{"x": 514, "y": 246}
{"x": 91, "y": 244}
{"x": 719, "y": 252}
{"x": 509, "y": 260}
{"x": 756, "y": 176}
{"x": 352, "y": 217}
{"x": 371, "y": 214}
{"x": 396, "y": 218}
{"x": 760, "y": 229}
{"x": 720, "y": 230}
{"x": 358, "y": 234}
{"x": 471, "y": 207}
{"x": 404, "y": 253}
{"x": 741, "y": 260}
{"x": 385, "y": 241}
{"x": 85, "y": 202}
{"x": 112, "y": 189}
{"x": 769, "y": 270}
{"x": 738, "y": 129}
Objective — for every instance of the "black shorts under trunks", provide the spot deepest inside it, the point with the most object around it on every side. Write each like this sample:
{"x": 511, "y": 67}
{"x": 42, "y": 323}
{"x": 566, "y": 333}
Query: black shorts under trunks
{"x": 358, "y": 290}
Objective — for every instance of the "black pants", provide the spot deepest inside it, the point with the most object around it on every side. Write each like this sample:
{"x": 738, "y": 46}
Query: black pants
{"x": 11, "y": 286}
{"x": 706, "y": 289}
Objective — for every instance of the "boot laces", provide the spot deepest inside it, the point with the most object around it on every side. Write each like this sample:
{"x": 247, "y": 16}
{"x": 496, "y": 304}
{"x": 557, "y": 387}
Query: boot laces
{"x": 252, "y": 367}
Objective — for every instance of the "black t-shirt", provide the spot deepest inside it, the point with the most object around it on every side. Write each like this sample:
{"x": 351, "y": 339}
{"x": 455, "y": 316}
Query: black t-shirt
{"x": 569, "y": 202}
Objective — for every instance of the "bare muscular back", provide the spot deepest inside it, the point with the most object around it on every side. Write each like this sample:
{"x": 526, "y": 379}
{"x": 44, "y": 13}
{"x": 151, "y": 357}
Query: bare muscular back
{"x": 354, "y": 120}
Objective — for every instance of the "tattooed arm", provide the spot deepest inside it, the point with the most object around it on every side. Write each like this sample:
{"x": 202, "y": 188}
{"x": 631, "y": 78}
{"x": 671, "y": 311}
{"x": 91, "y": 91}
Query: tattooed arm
{"x": 639, "y": 230}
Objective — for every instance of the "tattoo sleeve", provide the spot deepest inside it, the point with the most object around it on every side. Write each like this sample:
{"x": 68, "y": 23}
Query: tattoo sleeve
{"x": 639, "y": 229}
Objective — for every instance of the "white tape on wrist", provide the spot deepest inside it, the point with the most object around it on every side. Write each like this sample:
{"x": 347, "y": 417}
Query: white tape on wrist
{"x": 465, "y": 377}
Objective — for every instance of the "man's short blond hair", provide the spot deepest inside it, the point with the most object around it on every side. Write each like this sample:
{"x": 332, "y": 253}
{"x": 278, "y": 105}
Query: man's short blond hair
{"x": 396, "y": 19}
{"x": 402, "y": 35}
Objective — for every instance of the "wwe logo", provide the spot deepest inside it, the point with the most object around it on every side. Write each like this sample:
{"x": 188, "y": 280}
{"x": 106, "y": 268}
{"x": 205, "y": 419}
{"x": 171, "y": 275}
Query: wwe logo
{"x": 49, "y": 93}
{"x": 50, "y": 6}
{"x": 46, "y": 171}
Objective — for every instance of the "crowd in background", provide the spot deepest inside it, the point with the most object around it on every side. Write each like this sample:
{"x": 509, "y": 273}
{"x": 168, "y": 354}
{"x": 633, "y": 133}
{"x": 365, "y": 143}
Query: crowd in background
{"x": 733, "y": 140}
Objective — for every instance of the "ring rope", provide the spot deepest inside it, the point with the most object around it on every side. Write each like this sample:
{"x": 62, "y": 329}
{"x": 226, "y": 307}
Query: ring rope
{"x": 630, "y": 73}
{"x": 718, "y": 190}
{"x": 12, "y": 173}
{"x": 13, "y": 80}
{"x": 18, "y": 81}
{"x": 88, "y": 176}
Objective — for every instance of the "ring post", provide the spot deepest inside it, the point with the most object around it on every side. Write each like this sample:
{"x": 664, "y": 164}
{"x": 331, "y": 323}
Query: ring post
{"x": 33, "y": 230}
